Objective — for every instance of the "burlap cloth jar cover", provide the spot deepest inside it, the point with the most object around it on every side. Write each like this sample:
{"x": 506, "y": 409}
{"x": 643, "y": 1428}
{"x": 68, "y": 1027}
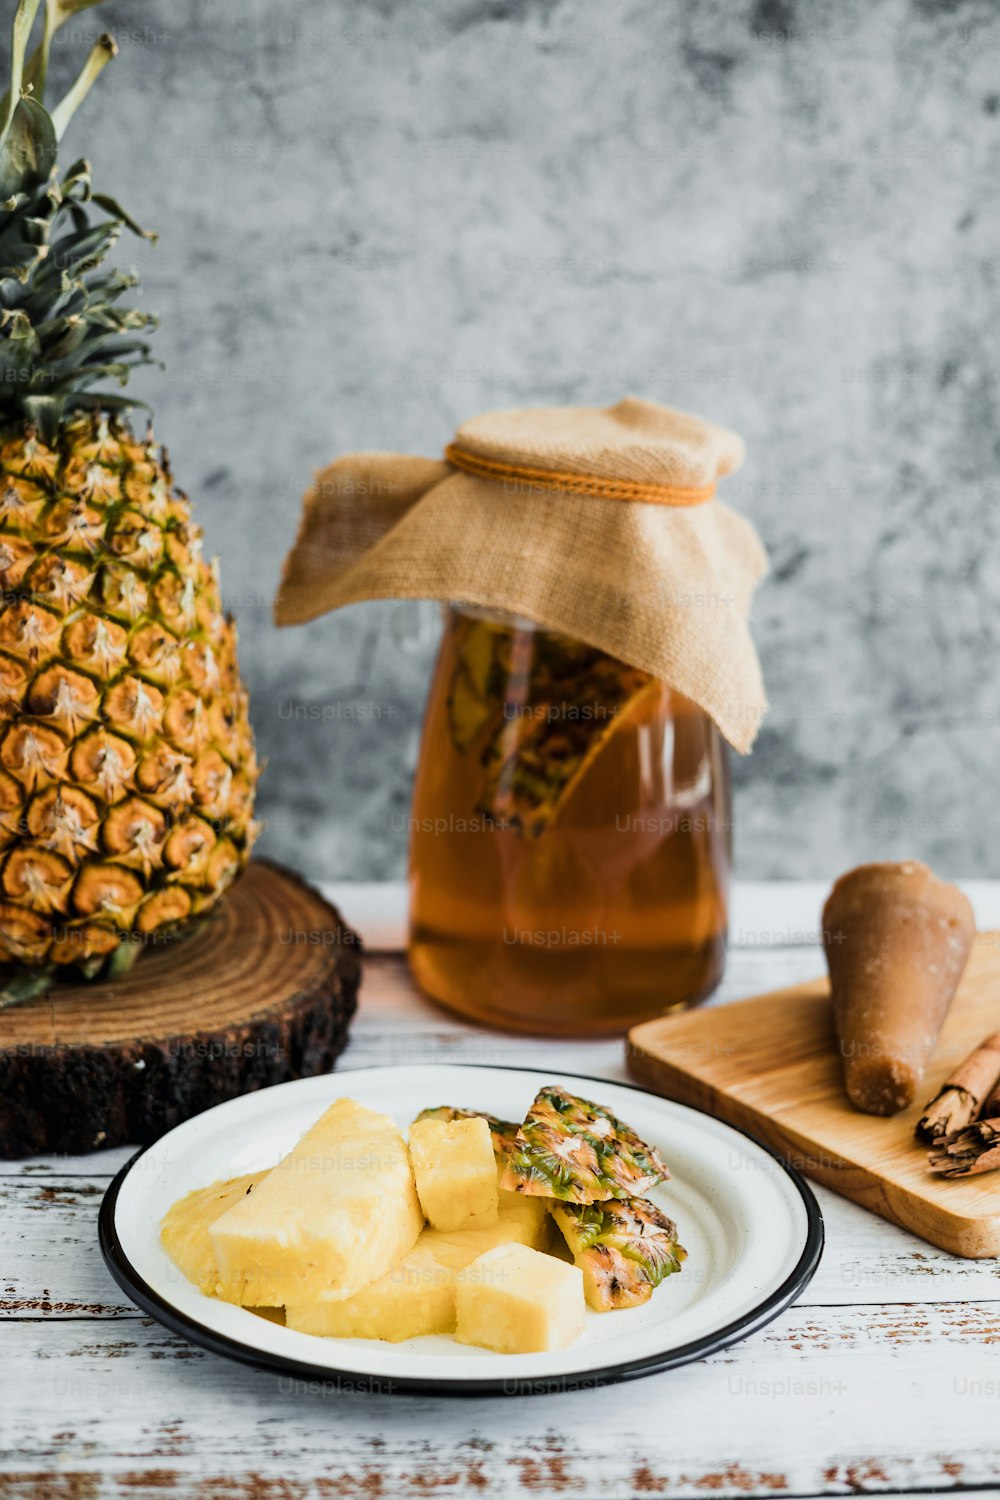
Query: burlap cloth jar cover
{"x": 600, "y": 523}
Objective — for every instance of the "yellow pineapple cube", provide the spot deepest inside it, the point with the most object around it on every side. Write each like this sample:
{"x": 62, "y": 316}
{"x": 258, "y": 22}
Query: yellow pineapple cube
{"x": 416, "y": 1297}
{"x": 456, "y": 1172}
{"x": 518, "y": 1301}
{"x": 185, "y": 1226}
{"x": 338, "y": 1212}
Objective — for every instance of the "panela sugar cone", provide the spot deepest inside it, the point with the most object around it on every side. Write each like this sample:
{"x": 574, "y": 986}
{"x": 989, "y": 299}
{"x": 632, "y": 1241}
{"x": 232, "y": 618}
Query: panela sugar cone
{"x": 896, "y": 939}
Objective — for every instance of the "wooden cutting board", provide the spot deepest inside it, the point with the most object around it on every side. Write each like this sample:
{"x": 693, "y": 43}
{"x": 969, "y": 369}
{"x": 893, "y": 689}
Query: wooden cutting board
{"x": 770, "y": 1066}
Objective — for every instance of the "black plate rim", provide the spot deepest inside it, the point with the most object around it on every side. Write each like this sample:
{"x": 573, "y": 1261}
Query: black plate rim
{"x": 332, "y": 1380}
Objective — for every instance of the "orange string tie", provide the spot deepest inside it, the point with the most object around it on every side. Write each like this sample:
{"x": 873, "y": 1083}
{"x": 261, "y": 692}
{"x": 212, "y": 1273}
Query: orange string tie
{"x": 576, "y": 484}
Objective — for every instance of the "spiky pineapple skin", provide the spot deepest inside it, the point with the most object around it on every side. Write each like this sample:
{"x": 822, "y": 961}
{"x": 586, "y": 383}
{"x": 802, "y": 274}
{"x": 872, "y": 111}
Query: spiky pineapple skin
{"x": 127, "y": 766}
{"x": 624, "y": 1249}
{"x": 579, "y": 1152}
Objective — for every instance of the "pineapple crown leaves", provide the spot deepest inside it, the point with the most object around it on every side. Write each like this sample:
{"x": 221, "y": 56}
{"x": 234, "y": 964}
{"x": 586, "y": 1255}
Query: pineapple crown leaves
{"x": 61, "y": 329}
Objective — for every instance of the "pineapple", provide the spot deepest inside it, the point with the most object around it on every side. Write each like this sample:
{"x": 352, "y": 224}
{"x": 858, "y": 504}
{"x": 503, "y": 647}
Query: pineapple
{"x": 579, "y": 1152}
{"x": 504, "y": 1132}
{"x": 415, "y": 1298}
{"x": 517, "y": 1301}
{"x": 623, "y": 1249}
{"x": 185, "y": 1227}
{"x": 456, "y": 1172}
{"x": 127, "y": 770}
{"x": 335, "y": 1214}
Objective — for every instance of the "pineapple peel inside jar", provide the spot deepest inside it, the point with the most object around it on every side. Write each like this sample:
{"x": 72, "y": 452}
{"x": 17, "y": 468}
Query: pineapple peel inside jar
{"x": 537, "y": 710}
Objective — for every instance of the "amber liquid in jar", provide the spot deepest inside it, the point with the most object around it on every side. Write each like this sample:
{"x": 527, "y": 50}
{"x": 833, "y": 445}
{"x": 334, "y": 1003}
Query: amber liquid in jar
{"x": 583, "y": 886}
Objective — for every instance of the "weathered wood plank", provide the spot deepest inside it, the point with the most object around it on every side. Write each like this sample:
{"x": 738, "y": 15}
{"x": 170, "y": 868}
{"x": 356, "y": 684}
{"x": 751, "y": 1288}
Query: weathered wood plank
{"x": 821, "y": 1406}
{"x": 51, "y": 1266}
{"x": 851, "y": 1392}
{"x": 396, "y": 1024}
{"x": 868, "y": 1260}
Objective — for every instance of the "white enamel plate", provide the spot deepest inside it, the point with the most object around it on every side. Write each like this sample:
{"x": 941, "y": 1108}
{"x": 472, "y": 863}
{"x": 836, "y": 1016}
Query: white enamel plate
{"x": 750, "y": 1225}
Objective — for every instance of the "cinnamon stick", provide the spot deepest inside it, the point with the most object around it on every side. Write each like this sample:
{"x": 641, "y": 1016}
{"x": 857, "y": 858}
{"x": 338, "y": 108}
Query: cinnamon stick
{"x": 967, "y": 1153}
{"x": 963, "y": 1093}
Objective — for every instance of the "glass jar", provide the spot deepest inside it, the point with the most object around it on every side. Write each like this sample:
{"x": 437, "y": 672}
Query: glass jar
{"x": 570, "y": 845}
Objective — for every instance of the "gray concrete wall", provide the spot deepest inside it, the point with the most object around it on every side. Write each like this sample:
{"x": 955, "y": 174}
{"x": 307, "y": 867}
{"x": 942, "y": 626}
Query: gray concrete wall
{"x": 379, "y": 218}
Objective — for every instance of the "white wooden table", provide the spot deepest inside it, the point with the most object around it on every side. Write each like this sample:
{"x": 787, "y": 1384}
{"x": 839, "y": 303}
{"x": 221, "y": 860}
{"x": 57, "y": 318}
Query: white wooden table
{"x": 884, "y": 1378}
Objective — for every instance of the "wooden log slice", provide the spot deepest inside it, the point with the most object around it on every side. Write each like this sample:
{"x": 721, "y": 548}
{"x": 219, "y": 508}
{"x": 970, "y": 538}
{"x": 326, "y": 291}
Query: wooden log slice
{"x": 260, "y": 992}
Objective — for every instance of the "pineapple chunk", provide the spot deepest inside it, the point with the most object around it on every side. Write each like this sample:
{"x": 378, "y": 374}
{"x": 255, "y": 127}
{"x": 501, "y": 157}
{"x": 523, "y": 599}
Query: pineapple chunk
{"x": 517, "y": 1301}
{"x": 185, "y": 1227}
{"x": 338, "y": 1212}
{"x": 504, "y": 1132}
{"x": 416, "y": 1297}
{"x": 456, "y": 1172}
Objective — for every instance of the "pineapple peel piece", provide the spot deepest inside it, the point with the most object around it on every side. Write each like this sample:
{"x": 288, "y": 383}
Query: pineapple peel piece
{"x": 579, "y": 1152}
{"x": 623, "y": 1249}
{"x": 471, "y": 702}
{"x": 536, "y": 761}
{"x": 567, "y": 698}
